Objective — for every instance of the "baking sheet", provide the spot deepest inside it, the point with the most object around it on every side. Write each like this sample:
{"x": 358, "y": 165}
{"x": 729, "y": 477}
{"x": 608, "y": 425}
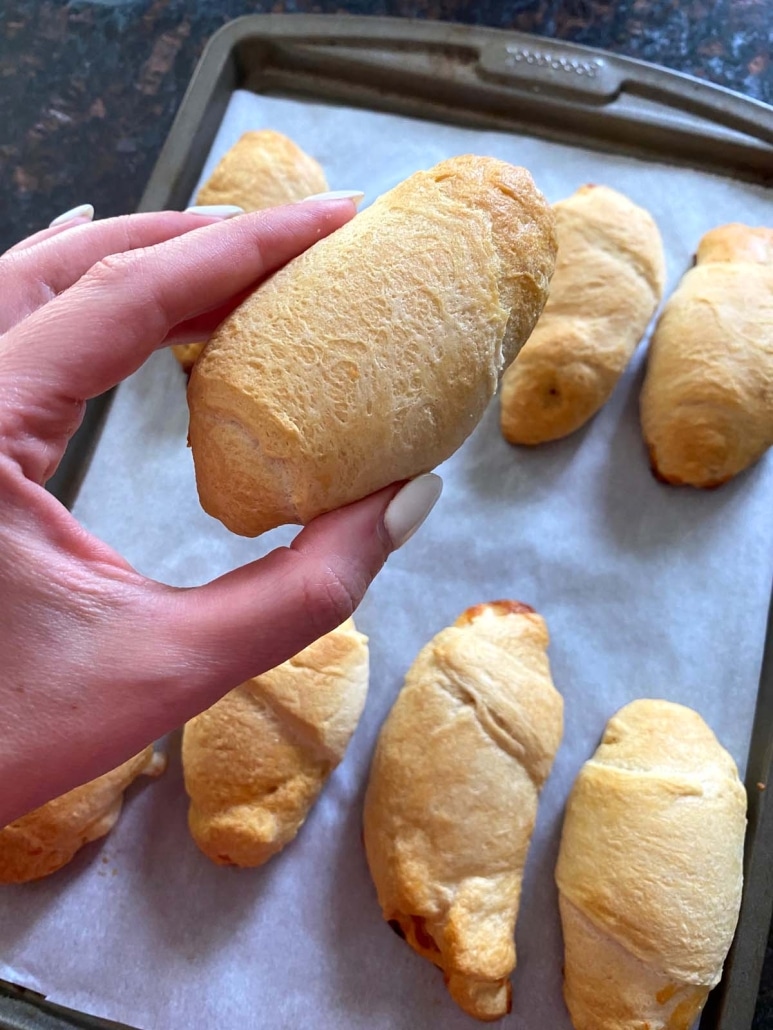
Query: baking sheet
{"x": 647, "y": 591}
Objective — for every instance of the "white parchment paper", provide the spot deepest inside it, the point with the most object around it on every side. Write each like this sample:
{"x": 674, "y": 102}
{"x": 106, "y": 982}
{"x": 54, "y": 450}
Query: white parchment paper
{"x": 647, "y": 591}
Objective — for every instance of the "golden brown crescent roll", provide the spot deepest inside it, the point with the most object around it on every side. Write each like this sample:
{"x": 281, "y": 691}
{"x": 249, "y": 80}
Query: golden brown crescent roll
{"x": 371, "y": 357}
{"x": 48, "y": 838}
{"x": 609, "y": 279}
{"x": 263, "y": 169}
{"x": 256, "y": 761}
{"x": 452, "y": 798}
{"x": 707, "y": 400}
{"x": 650, "y": 871}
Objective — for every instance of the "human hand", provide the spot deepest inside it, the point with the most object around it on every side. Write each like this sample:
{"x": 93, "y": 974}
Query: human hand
{"x": 97, "y": 660}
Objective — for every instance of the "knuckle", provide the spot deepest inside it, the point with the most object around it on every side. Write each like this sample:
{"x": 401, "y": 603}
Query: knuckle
{"x": 112, "y": 267}
{"x": 131, "y": 275}
{"x": 330, "y": 596}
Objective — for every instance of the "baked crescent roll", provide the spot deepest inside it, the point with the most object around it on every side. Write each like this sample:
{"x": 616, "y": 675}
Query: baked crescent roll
{"x": 371, "y": 357}
{"x": 256, "y": 761}
{"x": 452, "y": 798}
{"x": 707, "y": 400}
{"x": 47, "y": 838}
{"x": 263, "y": 169}
{"x": 609, "y": 279}
{"x": 650, "y": 871}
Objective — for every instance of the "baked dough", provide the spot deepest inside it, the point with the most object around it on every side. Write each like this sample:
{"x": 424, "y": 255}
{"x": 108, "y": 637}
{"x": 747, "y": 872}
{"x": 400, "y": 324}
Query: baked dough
{"x": 256, "y": 761}
{"x": 371, "y": 357}
{"x": 608, "y": 283}
{"x": 707, "y": 400}
{"x": 48, "y": 838}
{"x": 264, "y": 169}
{"x": 187, "y": 354}
{"x": 452, "y": 798}
{"x": 650, "y": 871}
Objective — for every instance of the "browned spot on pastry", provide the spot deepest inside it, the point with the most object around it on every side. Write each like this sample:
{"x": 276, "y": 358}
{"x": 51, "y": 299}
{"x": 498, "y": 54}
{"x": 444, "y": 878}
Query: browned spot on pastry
{"x": 661, "y": 477}
{"x": 551, "y": 396}
{"x": 666, "y": 994}
{"x": 686, "y": 1012}
{"x": 423, "y": 937}
{"x": 497, "y": 607}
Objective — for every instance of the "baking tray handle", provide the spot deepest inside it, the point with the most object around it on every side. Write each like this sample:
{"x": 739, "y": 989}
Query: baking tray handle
{"x": 581, "y": 76}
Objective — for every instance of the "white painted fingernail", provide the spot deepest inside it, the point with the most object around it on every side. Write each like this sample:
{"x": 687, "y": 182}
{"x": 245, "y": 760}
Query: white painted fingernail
{"x": 408, "y": 509}
{"x": 216, "y": 210}
{"x": 355, "y": 195}
{"x": 82, "y": 211}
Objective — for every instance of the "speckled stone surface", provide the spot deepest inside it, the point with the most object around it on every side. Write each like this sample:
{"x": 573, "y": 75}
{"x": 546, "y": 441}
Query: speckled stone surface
{"x": 88, "y": 91}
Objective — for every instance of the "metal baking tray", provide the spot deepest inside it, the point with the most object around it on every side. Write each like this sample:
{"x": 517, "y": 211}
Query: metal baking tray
{"x": 485, "y": 78}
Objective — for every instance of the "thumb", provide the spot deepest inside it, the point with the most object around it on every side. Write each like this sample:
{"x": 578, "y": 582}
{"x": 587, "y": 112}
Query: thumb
{"x": 258, "y": 616}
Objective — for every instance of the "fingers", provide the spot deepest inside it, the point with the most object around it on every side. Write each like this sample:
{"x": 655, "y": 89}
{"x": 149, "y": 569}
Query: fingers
{"x": 264, "y": 613}
{"x": 107, "y": 324}
{"x": 104, "y": 327}
{"x": 200, "y": 328}
{"x": 102, "y": 662}
{"x": 257, "y": 617}
{"x": 46, "y": 234}
{"x": 45, "y": 265}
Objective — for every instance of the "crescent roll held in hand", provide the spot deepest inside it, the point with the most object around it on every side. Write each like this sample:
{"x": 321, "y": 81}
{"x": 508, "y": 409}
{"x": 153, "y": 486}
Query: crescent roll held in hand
{"x": 650, "y": 871}
{"x": 256, "y": 761}
{"x": 47, "y": 838}
{"x": 371, "y": 357}
{"x": 452, "y": 798}
{"x": 609, "y": 280}
{"x": 263, "y": 169}
{"x": 707, "y": 400}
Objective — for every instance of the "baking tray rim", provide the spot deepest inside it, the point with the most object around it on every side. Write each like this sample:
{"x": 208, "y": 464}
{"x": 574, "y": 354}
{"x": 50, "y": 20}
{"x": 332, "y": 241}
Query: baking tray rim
{"x": 29, "y": 1008}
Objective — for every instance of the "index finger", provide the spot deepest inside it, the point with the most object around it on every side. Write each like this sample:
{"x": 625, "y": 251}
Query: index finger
{"x": 57, "y": 258}
{"x": 106, "y": 325}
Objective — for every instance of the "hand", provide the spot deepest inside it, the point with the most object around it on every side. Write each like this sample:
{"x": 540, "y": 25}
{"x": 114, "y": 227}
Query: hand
{"x": 96, "y": 660}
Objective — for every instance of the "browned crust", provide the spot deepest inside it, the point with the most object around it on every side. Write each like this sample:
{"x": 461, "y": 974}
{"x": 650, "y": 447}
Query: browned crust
{"x": 497, "y": 607}
{"x": 675, "y": 480}
{"x": 187, "y": 354}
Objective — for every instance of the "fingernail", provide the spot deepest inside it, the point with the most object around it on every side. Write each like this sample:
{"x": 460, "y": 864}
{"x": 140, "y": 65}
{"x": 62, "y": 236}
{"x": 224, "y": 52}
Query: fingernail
{"x": 216, "y": 210}
{"x": 354, "y": 195}
{"x": 408, "y": 509}
{"x": 82, "y": 211}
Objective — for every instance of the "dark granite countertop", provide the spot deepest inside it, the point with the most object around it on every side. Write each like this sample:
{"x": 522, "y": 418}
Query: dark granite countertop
{"x": 89, "y": 90}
